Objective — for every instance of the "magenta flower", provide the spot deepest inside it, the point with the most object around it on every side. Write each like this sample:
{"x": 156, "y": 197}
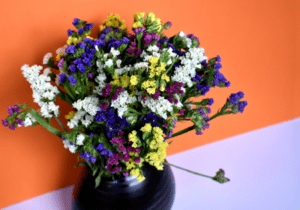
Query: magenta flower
{"x": 126, "y": 174}
{"x": 4, "y": 122}
{"x": 137, "y": 160}
{"x": 10, "y": 110}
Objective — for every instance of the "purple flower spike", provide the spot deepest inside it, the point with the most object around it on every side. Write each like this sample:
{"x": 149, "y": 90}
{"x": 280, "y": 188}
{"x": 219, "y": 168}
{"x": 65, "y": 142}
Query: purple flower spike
{"x": 4, "y": 122}
{"x": 10, "y": 110}
{"x": 11, "y": 127}
{"x": 20, "y": 122}
{"x": 126, "y": 174}
{"x": 16, "y": 108}
{"x": 61, "y": 62}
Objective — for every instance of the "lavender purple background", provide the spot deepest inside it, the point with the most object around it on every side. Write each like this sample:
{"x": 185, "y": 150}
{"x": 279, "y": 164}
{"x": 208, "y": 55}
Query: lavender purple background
{"x": 263, "y": 167}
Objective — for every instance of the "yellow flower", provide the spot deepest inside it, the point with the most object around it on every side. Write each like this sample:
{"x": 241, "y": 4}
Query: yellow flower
{"x": 162, "y": 88}
{"x": 165, "y": 77}
{"x": 153, "y": 83}
{"x": 158, "y": 130}
{"x": 137, "y": 25}
{"x": 153, "y": 60}
{"x": 135, "y": 172}
{"x": 147, "y": 128}
{"x": 140, "y": 178}
{"x": 58, "y": 57}
{"x": 134, "y": 80}
{"x": 70, "y": 40}
{"x": 146, "y": 84}
{"x": 151, "y": 90}
{"x": 70, "y": 115}
{"x": 151, "y": 15}
{"x": 152, "y": 144}
{"x": 138, "y": 15}
{"x": 102, "y": 27}
{"x": 125, "y": 81}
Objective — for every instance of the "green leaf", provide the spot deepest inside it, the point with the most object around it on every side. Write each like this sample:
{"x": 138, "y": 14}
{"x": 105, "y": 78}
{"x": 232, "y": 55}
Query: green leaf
{"x": 98, "y": 179}
{"x": 95, "y": 171}
{"x": 42, "y": 122}
{"x": 146, "y": 135}
{"x": 106, "y": 143}
{"x": 65, "y": 97}
{"x": 69, "y": 89}
{"x": 170, "y": 142}
{"x": 80, "y": 164}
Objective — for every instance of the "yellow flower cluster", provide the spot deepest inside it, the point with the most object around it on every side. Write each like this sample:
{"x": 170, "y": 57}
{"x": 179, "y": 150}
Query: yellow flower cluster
{"x": 114, "y": 22}
{"x": 70, "y": 115}
{"x": 150, "y": 85}
{"x": 147, "y": 128}
{"x": 132, "y": 137}
{"x": 157, "y": 158}
{"x": 123, "y": 81}
{"x": 140, "y": 15}
{"x": 134, "y": 80}
{"x": 58, "y": 57}
{"x": 156, "y": 70}
{"x": 73, "y": 40}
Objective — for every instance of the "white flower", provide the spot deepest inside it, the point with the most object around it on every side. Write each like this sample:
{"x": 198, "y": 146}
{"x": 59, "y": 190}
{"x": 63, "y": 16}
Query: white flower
{"x": 27, "y": 122}
{"x": 79, "y": 139}
{"x": 96, "y": 47}
{"x": 109, "y": 63}
{"x": 72, "y": 148}
{"x": 47, "y": 57}
{"x": 119, "y": 61}
{"x": 153, "y": 48}
{"x": 181, "y": 34}
{"x": 114, "y": 52}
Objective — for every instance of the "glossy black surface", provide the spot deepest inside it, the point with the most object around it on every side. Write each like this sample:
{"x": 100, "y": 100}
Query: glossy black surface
{"x": 156, "y": 192}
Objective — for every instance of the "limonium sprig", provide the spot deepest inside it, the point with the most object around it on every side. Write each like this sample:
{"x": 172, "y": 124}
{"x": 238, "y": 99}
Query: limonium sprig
{"x": 126, "y": 92}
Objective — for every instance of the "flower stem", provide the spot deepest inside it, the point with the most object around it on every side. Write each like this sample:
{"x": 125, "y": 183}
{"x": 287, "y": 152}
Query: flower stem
{"x": 188, "y": 170}
{"x": 59, "y": 122}
{"x": 46, "y": 125}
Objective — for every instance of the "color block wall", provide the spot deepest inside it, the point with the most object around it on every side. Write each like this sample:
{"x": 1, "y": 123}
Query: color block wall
{"x": 256, "y": 40}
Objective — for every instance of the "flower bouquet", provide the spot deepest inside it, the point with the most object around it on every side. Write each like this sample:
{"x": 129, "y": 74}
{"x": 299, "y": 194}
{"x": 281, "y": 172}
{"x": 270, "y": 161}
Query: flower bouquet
{"x": 127, "y": 92}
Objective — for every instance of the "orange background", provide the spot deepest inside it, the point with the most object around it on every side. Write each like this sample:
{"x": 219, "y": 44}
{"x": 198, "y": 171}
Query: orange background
{"x": 256, "y": 40}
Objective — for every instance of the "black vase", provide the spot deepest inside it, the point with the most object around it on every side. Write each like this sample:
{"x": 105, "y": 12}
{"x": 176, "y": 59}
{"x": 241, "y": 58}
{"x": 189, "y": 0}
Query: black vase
{"x": 155, "y": 192}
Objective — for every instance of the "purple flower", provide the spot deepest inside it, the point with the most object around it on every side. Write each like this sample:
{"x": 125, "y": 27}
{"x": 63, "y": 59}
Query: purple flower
{"x": 121, "y": 133}
{"x": 70, "y": 32}
{"x": 103, "y": 106}
{"x": 122, "y": 148}
{"x": 117, "y": 30}
{"x": 93, "y": 159}
{"x": 181, "y": 111}
{"x": 126, "y": 157}
{"x": 156, "y": 95}
{"x": 71, "y": 49}
{"x": 242, "y": 105}
{"x": 100, "y": 146}
{"x": 90, "y": 75}
{"x": 138, "y": 53}
{"x": 217, "y": 66}
{"x": 210, "y": 101}
{"x": 89, "y": 26}
{"x": 81, "y": 67}
{"x": 75, "y": 21}
{"x": 139, "y": 29}
{"x": 124, "y": 40}
{"x": 130, "y": 51}
{"x": 115, "y": 96}
{"x": 168, "y": 25}
{"x": 126, "y": 174}
{"x": 165, "y": 124}
{"x": 20, "y": 122}
{"x": 72, "y": 68}
{"x": 81, "y": 45}
{"x": 218, "y": 58}
{"x": 72, "y": 80}
{"x": 137, "y": 150}
{"x": 144, "y": 97}
{"x": 104, "y": 152}
{"x": 16, "y": 108}
{"x": 208, "y": 110}
{"x": 11, "y": 127}
{"x": 4, "y": 122}
{"x": 80, "y": 31}
{"x": 240, "y": 94}
{"x": 61, "y": 62}
{"x": 117, "y": 169}
{"x": 71, "y": 143}
{"x": 227, "y": 84}
{"x": 110, "y": 154}
{"x": 10, "y": 110}
{"x": 92, "y": 134}
{"x": 120, "y": 90}
{"x": 137, "y": 160}
{"x": 199, "y": 133}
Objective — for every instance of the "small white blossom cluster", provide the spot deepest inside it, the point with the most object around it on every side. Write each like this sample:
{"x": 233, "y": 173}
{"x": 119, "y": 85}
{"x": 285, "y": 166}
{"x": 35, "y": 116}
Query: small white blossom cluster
{"x": 79, "y": 142}
{"x": 124, "y": 69}
{"x": 42, "y": 89}
{"x": 90, "y": 104}
{"x": 29, "y": 119}
{"x": 61, "y": 49}
{"x": 189, "y": 63}
{"x": 75, "y": 120}
{"x": 100, "y": 79}
{"x": 159, "y": 106}
{"x": 188, "y": 40}
{"x": 121, "y": 103}
{"x": 47, "y": 58}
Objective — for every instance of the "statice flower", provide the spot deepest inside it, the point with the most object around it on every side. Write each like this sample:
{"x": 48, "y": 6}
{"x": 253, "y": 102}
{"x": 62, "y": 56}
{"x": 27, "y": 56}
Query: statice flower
{"x": 121, "y": 102}
{"x": 47, "y": 58}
